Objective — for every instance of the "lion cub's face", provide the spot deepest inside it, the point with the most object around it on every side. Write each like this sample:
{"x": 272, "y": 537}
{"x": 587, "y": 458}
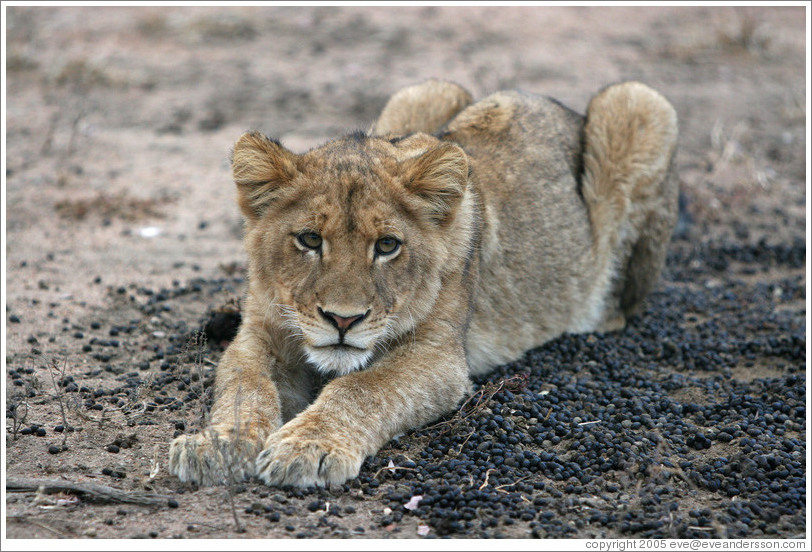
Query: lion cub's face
{"x": 347, "y": 243}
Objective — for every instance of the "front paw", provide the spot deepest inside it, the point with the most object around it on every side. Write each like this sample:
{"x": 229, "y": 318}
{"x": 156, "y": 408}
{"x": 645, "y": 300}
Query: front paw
{"x": 211, "y": 458}
{"x": 304, "y": 459}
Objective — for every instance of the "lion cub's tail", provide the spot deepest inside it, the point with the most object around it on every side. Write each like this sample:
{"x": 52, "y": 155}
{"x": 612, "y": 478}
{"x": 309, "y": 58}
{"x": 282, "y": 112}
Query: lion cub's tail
{"x": 629, "y": 141}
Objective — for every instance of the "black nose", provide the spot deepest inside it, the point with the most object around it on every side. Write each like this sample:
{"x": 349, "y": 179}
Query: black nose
{"x": 342, "y": 323}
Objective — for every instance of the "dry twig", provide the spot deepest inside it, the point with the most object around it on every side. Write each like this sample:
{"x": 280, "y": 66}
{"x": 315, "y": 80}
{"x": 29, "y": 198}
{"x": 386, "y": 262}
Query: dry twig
{"x": 96, "y": 492}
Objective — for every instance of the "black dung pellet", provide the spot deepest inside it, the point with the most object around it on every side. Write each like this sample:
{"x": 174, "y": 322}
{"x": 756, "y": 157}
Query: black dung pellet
{"x": 316, "y": 505}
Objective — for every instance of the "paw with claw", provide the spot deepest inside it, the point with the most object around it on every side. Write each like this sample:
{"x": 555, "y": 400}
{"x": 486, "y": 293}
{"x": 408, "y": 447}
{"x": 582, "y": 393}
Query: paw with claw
{"x": 302, "y": 458}
{"x": 212, "y": 458}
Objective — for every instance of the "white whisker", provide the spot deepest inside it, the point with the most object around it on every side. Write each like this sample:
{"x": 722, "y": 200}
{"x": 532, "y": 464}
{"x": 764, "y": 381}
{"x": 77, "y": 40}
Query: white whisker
{"x": 413, "y": 328}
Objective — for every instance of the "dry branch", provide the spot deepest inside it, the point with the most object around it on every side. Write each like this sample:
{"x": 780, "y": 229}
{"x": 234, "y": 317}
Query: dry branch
{"x": 96, "y": 492}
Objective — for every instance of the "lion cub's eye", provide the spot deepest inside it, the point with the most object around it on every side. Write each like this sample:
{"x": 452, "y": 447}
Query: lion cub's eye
{"x": 310, "y": 240}
{"x": 386, "y": 246}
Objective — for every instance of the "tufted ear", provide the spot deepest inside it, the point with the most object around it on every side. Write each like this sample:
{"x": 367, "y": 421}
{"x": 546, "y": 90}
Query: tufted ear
{"x": 438, "y": 177}
{"x": 260, "y": 166}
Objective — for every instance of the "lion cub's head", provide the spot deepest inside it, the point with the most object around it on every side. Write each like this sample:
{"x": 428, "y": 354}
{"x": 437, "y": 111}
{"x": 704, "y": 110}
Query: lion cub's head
{"x": 348, "y": 244}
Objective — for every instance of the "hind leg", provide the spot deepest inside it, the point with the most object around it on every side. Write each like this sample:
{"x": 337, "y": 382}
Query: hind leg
{"x": 629, "y": 182}
{"x": 646, "y": 256}
{"x": 424, "y": 107}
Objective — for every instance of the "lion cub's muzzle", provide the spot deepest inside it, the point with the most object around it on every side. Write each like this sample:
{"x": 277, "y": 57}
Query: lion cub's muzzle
{"x": 343, "y": 342}
{"x": 342, "y": 323}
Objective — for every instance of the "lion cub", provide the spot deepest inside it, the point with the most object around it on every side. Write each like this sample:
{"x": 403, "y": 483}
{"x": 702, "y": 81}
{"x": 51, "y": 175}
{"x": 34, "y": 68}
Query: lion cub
{"x": 449, "y": 239}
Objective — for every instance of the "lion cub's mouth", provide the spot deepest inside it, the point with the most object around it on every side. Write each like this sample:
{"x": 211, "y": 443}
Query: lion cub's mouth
{"x": 338, "y": 358}
{"x": 340, "y": 346}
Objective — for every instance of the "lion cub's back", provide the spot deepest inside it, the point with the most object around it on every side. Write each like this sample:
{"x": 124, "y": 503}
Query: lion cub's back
{"x": 533, "y": 131}
{"x": 535, "y": 276}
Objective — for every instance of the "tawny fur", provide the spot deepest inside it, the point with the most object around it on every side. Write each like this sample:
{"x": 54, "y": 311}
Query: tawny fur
{"x": 517, "y": 220}
{"x": 424, "y": 107}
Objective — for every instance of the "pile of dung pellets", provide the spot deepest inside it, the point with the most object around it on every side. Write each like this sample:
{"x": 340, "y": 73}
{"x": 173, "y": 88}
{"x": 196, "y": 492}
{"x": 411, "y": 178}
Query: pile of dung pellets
{"x": 690, "y": 423}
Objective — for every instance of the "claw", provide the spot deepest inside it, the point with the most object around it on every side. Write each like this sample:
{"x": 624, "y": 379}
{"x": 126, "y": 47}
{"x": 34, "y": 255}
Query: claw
{"x": 305, "y": 462}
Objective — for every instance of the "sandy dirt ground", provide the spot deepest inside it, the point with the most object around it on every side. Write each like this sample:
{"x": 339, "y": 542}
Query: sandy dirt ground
{"x": 122, "y": 235}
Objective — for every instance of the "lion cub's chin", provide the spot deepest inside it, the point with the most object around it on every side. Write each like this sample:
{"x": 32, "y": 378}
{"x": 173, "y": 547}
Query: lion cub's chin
{"x": 338, "y": 360}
